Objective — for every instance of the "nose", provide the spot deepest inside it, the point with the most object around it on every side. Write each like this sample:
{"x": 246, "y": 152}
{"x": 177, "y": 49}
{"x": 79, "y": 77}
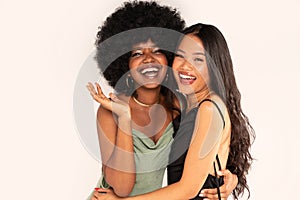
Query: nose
{"x": 185, "y": 65}
{"x": 148, "y": 57}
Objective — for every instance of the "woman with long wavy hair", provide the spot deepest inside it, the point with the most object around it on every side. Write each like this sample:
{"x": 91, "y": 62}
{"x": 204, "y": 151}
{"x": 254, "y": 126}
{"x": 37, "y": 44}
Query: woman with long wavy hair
{"x": 217, "y": 132}
{"x": 136, "y": 138}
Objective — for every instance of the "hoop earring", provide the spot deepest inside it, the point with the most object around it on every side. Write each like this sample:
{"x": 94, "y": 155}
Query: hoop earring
{"x": 166, "y": 78}
{"x": 129, "y": 82}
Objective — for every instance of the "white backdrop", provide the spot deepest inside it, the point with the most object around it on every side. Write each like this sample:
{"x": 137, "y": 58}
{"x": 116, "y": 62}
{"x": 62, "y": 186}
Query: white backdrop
{"x": 43, "y": 45}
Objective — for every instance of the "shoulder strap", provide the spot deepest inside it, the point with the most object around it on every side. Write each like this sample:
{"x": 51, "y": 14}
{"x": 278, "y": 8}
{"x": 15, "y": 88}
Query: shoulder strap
{"x": 218, "y": 162}
{"x": 217, "y": 157}
{"x": 219, "y": 165}
{"x": 216, "y": 107}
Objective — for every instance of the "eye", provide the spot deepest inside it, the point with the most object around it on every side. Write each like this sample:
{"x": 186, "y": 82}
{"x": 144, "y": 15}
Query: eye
{"x": 179, "y": 55}
{"x": 198, "y": 60}
{"x": 157, "y": 51}
{"x": 136, "y": 54}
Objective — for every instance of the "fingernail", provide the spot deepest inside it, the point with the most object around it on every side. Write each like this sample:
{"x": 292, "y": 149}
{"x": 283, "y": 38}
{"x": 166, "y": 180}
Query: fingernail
{"x": 97, "y": 189}
{"x": 201, "y": 195}
{"x": 219, "y": 173}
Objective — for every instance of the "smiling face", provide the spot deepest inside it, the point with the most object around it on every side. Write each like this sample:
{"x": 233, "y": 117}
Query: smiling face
{"x": 190, "y": 67}
{"x": 147, "y": 64}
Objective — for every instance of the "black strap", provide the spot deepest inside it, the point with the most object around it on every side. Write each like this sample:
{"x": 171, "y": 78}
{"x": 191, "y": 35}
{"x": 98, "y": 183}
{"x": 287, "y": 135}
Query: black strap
{"x": 218, "y": 186}
{"x": 218, "y": 161}
{"x": 217, "y": 108}
{"x": 217, "y": 157}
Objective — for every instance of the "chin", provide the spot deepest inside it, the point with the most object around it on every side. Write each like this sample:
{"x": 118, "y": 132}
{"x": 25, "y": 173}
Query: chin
{"x": 187, "y": 90}
{"x": 151, "y": 85}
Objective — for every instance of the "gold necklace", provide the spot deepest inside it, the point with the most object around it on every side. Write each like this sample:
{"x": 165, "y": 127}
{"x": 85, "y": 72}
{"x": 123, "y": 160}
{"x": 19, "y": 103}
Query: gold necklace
{"x": 143, "y": 104}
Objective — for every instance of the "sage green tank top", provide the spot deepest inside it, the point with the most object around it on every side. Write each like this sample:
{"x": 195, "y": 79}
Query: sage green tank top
{"x": 151, "y": 160}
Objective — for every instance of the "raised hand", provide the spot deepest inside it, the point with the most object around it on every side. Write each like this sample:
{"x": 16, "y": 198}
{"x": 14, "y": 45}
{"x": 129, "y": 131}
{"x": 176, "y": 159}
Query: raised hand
{"x": 113, "y": 103}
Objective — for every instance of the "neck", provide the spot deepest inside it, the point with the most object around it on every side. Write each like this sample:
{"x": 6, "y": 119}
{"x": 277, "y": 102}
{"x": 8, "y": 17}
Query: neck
{"x": 147, "y": 96}
{"x": 195, "y": 98}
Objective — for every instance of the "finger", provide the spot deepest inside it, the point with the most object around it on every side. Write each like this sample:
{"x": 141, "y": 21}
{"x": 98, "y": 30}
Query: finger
{"x": 224, "y": 189}
{"x": 91, "y": 88}
{"x": 224, "y": 172}
{"x": 95, "y": 195}
{"x": 99, "y": 90}
{"x": 98, "y": 195}
{"x": 103, "y": 190}
{"x": 209, "y": 191}
{"x": 99, "y": 97}
{"x": 95, "y": 95}
{"x": 213, "y": 196}
{"x": 230, "y": 180}
{"x": 93, "y": 92}
{"x": 213, "y": 192}
{"x": 228, "y": 176}
{"x": 114, "y": 98}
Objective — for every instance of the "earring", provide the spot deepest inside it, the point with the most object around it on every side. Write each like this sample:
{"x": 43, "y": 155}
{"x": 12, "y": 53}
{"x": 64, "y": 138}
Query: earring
{"x": 129, "y": 82}
{"x": 166, "y": 78}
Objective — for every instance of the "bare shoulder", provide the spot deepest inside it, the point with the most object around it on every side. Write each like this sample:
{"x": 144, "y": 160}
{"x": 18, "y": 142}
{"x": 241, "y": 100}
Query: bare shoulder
{"x": 214, "y": 108}
{"x": 215, "y": 103}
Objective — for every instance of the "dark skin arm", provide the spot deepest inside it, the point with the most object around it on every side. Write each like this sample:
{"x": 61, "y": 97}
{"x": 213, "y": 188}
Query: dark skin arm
{"x": 116, "y": 144}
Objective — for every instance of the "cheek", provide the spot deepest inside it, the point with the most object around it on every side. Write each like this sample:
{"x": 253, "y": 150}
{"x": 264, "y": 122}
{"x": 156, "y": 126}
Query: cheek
{"x": 202, "y": 74}
{"x": 133, "y": 63}
{"x": 163, "y": 60}
{"x": 175, "y": 64}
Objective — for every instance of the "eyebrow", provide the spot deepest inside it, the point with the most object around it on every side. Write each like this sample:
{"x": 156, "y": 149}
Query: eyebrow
{"x": 180, "y": 51}
{"x": 140, "y": 48}
{"x": 195, "y": 53}
{"x": 199, "y": 53}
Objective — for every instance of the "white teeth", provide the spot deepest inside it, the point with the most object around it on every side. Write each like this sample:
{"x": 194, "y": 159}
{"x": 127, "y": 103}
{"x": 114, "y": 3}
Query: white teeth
{"x": 186, "y": 77}
{"x": 150, "y": 69}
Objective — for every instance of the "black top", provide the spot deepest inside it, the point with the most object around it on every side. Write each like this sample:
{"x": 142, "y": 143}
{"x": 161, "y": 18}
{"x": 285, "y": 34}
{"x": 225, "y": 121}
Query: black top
{"x": 183, "y": 132}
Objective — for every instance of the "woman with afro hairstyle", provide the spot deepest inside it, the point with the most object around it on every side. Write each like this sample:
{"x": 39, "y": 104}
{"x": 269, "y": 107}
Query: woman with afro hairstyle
{"x": 218, "y": 132}
{"x": 135, "y": 127}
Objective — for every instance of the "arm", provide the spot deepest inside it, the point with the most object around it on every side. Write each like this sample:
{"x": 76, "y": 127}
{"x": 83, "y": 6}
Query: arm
{"x": 116, "y": 144}
{"x": 230, "y": 183}
{"x": 116, "y": 152}
{"x": 200, "y": 156}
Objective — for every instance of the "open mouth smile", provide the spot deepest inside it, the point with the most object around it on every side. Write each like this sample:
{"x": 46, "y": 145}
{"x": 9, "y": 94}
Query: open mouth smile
{"x": 150, "y": 71}
{"x": 186, "y": 78}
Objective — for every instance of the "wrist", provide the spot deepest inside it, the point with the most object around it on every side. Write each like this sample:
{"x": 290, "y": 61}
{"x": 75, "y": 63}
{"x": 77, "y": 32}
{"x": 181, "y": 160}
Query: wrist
{"x": 125, "y": 116}
{"x": 124, "y": 123}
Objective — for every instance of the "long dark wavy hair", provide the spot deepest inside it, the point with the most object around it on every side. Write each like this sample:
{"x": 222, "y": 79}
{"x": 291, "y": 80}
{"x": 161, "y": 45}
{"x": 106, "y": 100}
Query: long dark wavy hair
{"x": 223, "y": 83}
